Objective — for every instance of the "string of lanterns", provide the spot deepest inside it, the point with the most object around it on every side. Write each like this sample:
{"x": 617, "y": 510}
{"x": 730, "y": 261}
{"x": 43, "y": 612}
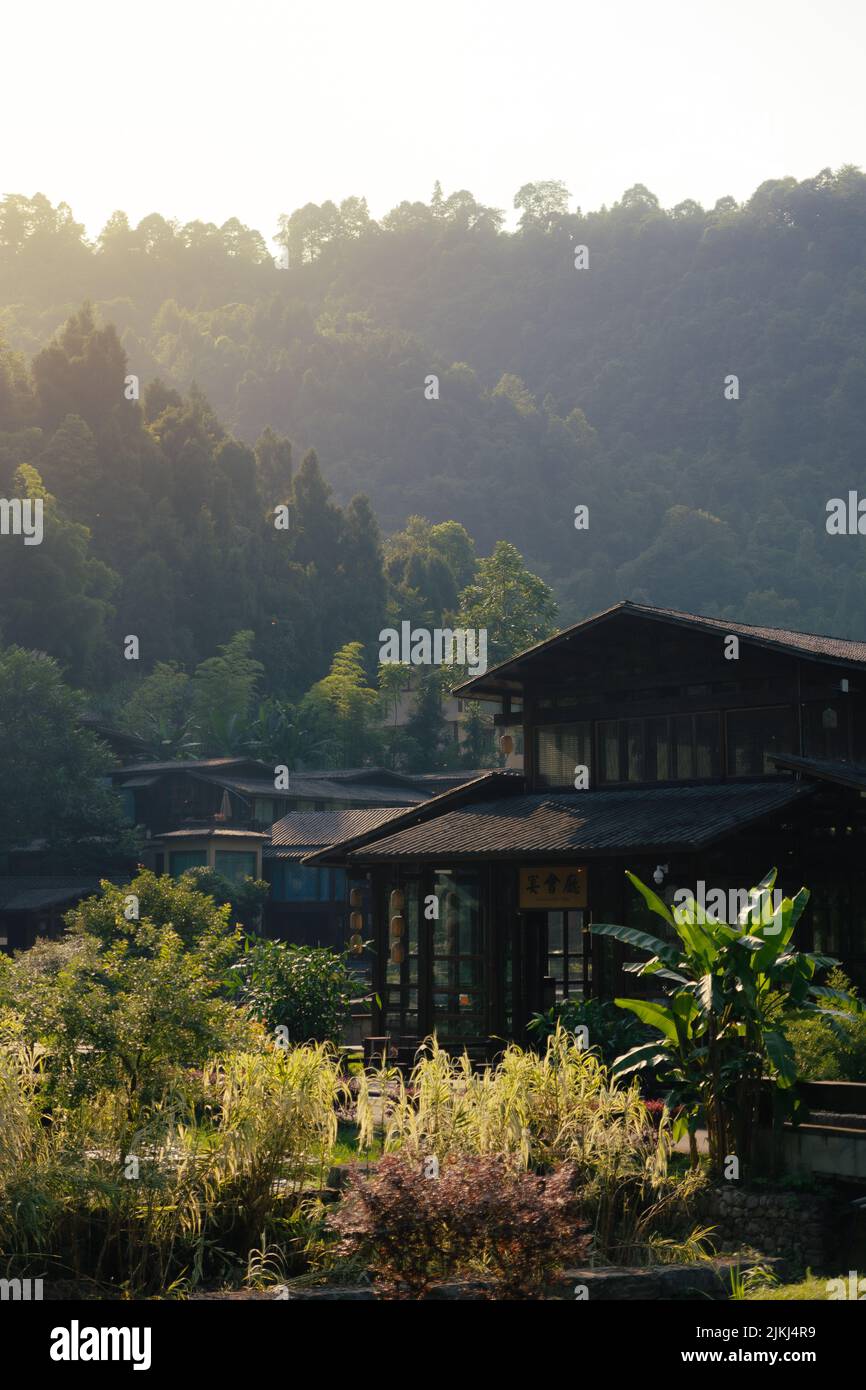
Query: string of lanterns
{"x": 356, "y": 922}
{"x": 398, "y": 926}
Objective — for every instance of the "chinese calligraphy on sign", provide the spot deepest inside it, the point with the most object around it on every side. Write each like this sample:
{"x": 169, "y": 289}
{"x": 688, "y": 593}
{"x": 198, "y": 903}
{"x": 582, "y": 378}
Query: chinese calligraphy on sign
{"x": 552, "y": 886}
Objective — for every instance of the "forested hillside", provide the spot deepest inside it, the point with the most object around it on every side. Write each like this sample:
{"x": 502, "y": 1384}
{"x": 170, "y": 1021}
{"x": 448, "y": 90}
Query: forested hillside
{"x": 210, "y": 597}
{"x": 602, "y": 386}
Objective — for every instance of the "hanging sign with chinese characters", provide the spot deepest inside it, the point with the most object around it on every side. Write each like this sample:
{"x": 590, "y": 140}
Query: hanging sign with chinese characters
{"x": 552, "y": 886}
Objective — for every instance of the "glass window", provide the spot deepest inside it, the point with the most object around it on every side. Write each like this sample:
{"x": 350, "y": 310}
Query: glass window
{"x": 559, "y": 749}
{"x": 459, "y": 992}
{"x": 401, "y": 978}
{"x": 181, "y": 860}
{"x": 608, "y": 750}
{"x": 825, "y": 729}
{"x": 696, "y": 745}
{"x": 683, "y": 749}
{"x": 634, "y": 749}
{"x": 706, "y": 728}
{"x": 235, "y": 864}
{"x": 755, "y": 734}
{"x": 565, "y": 953}
{"x": 658, "y": 750}
{"x": 292, "y": 883}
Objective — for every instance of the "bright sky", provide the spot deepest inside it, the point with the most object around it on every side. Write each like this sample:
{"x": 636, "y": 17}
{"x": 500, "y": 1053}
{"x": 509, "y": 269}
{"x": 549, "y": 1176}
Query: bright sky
{"x": 209, "y": 109}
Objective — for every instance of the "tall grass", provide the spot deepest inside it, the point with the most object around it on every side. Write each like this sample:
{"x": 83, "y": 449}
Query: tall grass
{"x": 540, "y": 1109}
{"x": 226, "y": 1162}
{"x": 214, "y": 1167}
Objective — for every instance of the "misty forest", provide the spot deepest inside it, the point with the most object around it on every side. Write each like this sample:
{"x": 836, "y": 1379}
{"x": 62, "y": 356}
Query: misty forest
{"x": 431, "y": 398}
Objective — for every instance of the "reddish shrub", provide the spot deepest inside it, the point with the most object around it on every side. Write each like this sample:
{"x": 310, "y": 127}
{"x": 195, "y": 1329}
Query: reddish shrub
{"x": 477, "y": 1217}
{"x": 655, "y": 1109}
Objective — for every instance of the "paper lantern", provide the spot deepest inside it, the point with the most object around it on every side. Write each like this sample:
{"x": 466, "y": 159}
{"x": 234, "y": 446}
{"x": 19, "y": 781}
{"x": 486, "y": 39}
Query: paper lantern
{"x": 397, "y": 953}
{"x": 397, "y": 900}
{"x": 506, "y": 744}
{"x": 356, "y": 921}
{"x": 398, "y": 926}
{"x": 356, "y": 945}
{"x": 356, "y": 898}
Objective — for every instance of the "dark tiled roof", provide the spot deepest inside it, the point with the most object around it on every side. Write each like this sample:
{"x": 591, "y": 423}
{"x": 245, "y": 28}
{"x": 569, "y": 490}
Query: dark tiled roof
{"x": 507, "y": 782}
{"x": 301, "y": 831}
{"x": 376, "y": 775}
{"x": 211, "y": 832}
{"x": 28, "y": 893}
{"x": 323, "y": 789}
{"x": 373, "y": 786}
{"x": 545, "y": 824}
{"x": 187, "y": 765}
{"x": 447, "y": 781}
{"x": 845, "y": 774}
{"x": 813, "y": 644}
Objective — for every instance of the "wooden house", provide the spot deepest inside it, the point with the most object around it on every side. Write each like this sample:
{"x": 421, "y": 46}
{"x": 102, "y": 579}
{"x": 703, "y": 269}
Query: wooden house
{"x": 687, "y": 749}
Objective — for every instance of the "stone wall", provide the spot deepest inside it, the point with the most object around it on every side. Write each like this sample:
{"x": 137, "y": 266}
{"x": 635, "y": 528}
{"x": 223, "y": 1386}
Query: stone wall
{"x": 802, "y": 1228}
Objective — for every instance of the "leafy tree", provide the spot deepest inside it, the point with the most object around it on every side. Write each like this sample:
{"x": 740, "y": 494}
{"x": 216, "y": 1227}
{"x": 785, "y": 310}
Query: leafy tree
{"x": 478, "y": 730}
{"x": 512, "y": 389}
{"x": 56, "y": 596}
{"x": 541, "y": 203}
{"x": 457, "y": 548}
{"x": 245, "y": 899}
{"x": 82, "y": 372}
{"x": 222, "y": 691}
{"x": 422, "y": 564}
{"x": 426, "y": 726}
{"x": 274, "y": 464}
{"x": 343, "y": 708}
{"x": 157, "y": 711}
{"x": 515, "y": 607}
{"x": 393, "y": 680}
{"x": 629, "y": 416}
{"x": 54, "y": 771}
{"x": 126, "y": 1002}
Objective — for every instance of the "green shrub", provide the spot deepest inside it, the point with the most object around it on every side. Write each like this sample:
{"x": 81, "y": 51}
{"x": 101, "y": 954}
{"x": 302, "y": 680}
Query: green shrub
{"x": 831, "y": 1050}
{"x": 245, "y": 898}
{"x": 128, "y": 1003}
{"x": 611, "y": 1031}
{"x": 307, "y": 990}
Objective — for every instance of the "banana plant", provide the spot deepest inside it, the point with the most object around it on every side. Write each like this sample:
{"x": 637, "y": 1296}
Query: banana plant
{"x": 729, "y": 989}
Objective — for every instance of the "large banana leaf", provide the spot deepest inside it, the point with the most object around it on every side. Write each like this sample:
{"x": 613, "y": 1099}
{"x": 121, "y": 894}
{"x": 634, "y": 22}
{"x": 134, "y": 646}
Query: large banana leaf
{"x": 656, "y": 969}
{"x": 776, "y": 941}
{"x": 757, "y": 897}
{"x": 656, "y": 1015}
{"x": 652, "y": 900}
{"x": 639, "y": 1058}
{"x": 781, "y": 1054}
{"x": 665, "y": 951}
